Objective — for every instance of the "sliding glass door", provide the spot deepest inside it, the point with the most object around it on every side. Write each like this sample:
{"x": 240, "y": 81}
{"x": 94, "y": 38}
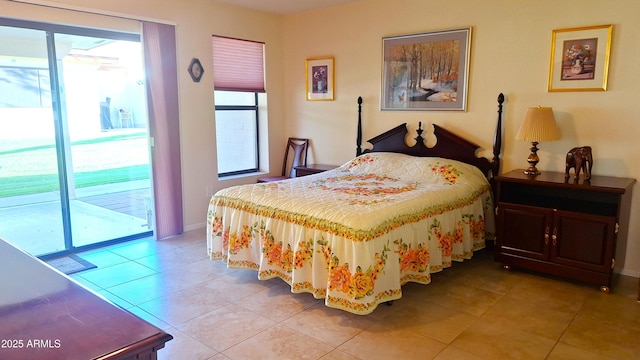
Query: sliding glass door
{"x": 74, "y": 151}
{"x": 30, "y": 203}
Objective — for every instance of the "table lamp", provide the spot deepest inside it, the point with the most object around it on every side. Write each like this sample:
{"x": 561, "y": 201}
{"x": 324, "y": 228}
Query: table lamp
{"x": 539, "y": 124}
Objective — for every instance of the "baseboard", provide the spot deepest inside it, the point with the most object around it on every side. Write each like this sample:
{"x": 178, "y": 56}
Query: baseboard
{"x": 632, "y": 273}
{"x": 196, "y": 226}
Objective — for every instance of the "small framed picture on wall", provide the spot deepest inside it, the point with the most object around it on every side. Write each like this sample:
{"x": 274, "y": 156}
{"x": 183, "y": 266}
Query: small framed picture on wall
{"x": 320, "y": 78}
{"x": 580, "y": 58}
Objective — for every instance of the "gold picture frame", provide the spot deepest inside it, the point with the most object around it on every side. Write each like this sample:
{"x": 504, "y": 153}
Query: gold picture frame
{"x": 580, "y": 59}
{"x": 320, "y": 78}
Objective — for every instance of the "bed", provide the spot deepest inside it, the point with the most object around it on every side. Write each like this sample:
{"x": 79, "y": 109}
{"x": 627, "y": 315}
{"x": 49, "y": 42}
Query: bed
{"x": 354, "y": 235}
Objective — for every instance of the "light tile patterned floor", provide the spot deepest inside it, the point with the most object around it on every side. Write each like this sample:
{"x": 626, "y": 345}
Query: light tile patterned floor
{"x": 475, "y": 310}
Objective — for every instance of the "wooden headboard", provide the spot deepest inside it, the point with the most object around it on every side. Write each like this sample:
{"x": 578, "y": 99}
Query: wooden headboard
{"x": 448, "y": 145}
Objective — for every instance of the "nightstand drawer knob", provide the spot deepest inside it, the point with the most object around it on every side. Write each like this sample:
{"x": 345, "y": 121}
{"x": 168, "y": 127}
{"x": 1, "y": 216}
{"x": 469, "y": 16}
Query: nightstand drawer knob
{"x": 546, "y": 236}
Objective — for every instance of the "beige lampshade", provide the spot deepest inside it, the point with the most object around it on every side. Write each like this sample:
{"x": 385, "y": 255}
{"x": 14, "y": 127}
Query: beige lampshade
{"x": 538, "y": 125}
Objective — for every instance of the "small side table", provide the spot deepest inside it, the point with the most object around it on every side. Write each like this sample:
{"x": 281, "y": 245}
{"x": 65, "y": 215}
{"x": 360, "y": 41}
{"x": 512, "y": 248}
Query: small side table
{"x": 548, "y": 223}
{"x": 312, "y": 169}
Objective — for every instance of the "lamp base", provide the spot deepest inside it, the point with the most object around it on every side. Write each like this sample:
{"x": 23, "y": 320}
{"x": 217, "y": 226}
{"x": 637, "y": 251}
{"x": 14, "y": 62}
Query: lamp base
{"x": 533, "y": 160}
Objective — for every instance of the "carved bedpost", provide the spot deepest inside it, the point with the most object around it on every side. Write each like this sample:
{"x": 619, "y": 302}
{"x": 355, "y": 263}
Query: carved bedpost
{"x": 497, "y": 141}
{"x": 359, "y": 136}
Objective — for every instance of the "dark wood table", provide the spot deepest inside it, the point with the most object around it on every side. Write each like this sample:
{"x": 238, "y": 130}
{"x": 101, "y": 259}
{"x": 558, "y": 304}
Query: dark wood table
{"x": 46, "y": 315}
{"x": 312, "y": 169}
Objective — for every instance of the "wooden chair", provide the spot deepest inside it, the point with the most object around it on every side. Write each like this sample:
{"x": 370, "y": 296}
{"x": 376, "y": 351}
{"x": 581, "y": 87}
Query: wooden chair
{"x": 295, "y": 155}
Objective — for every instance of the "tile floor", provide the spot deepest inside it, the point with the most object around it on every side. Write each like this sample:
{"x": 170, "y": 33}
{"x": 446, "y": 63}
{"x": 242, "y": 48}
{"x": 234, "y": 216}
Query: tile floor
{"x": 475, "y": 310}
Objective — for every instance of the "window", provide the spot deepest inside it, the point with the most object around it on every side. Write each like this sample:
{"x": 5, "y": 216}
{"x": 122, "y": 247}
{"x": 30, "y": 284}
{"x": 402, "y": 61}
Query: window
{"x": 236, "y": 132}
{"x": 238, "y": 74}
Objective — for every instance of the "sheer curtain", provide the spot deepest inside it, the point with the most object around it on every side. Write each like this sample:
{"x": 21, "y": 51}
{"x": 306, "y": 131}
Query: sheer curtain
{"x": 159, "y": 42}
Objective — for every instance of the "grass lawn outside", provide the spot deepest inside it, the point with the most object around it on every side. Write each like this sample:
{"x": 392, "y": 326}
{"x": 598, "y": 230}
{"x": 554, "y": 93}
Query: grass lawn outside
{"x": 32, "y": 168}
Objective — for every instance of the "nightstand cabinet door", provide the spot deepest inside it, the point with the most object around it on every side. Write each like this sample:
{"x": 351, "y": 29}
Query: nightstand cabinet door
{"x": 563, "y": 237}
{"x": 584, "y": 241}
{"x": 522, "y": 230}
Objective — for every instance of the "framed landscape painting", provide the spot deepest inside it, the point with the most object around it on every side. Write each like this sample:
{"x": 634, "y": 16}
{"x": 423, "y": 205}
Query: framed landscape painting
{"x": 427, "y": 71}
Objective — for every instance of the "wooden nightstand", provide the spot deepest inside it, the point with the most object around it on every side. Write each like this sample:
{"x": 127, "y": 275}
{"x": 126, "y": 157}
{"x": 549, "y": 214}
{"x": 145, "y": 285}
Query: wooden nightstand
{"x": 312, "y": 169}
{"x": 550, "y": 224}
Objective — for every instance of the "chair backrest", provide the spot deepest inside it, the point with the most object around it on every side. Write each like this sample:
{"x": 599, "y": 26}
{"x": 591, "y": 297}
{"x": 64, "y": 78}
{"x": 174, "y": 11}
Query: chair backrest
{"x": 294, "y": 155}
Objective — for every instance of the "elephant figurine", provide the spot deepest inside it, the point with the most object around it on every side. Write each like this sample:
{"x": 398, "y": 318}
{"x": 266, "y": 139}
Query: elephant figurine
{"x": 579, "y": 158}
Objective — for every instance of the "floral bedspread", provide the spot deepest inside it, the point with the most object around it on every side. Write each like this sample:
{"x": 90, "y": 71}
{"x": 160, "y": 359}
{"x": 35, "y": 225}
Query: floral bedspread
{"x": 356, "y": 234}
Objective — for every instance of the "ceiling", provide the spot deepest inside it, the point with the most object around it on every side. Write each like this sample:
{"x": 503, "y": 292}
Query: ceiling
{"x": 286, "y": 6}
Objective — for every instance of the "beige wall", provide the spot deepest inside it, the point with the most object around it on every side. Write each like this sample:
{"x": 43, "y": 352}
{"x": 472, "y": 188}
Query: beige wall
{"x": 510, "y": 54}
